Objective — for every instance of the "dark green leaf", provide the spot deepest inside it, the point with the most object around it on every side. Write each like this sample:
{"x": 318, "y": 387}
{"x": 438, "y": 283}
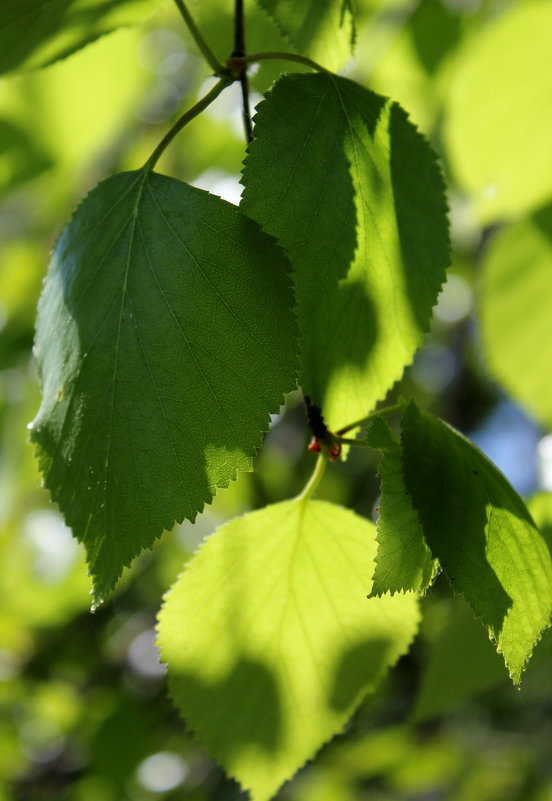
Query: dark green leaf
{"x": 270, "y": 640}
{"x": 34, "y": 33}
{"x": 403, "y": 560}
{"x": 354, "y": 194}
{"x": 482, "y": 534}
{"x": 165, "y": 337}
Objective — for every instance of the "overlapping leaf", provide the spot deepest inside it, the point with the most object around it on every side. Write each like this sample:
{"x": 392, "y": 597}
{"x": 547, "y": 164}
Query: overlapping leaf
{"x": 34, "y": 33}
{"x": 271, "y": 642}
{"x": 165, "y": 337}
{"x": 516, "y": 311}
{"x": 322, "y": 29}
{"x": 354, "y": 194}
{"x": 482, "y": 534}
{"x": 403, "y": 560}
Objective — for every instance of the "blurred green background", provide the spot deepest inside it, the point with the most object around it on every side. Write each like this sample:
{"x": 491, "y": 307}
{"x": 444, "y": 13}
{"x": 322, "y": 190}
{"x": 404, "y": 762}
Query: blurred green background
{"x": 84, "y": 714}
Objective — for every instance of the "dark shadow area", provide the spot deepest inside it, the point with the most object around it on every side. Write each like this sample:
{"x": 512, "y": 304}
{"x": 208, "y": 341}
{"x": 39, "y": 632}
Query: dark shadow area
{"x": 543, "y": 220}
{"x": 357, "y": 671}
{"x": 245, "y": 705}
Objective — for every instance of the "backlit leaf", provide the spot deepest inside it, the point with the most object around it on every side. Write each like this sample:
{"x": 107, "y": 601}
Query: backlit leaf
{"x": 165, "y": 337}
{"x": 271, "y": 642}
{"x": 403, "y": 560}
{"x": 516, "y": 311}
{"x": 498, "y": 127}
{"x": 353, "y": 192}
{"x": 482, "y": 534}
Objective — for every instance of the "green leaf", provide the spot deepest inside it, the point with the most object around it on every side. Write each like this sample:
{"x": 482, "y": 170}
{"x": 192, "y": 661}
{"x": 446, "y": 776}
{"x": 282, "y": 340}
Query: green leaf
{"x": 403, "y": 560}
{"x": 354, "y": 194}
{"x": 497, "y": 126}
{"x": 270, "y": 640}
{"x": 482, "y": 534}
{"x": 516, "y": 311}
{"x": 540, "y": 506}
{"x": 461, "y": 664}
{"x": 165, "y": 337}
{"x": 322, "y": 29}
{"x": 34, "y": 33}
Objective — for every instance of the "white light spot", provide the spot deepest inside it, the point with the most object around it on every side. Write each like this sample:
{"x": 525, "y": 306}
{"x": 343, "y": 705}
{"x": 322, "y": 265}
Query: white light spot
{"x": 434, "y": 368}
{"x": 455, "y": 300}
{"x": 221, "y": 183}
{"x": 544, "y": 466}
{"x": 55, "y": 550}
{"x": 162, "y": 772}
{"x": 143, "y": 657}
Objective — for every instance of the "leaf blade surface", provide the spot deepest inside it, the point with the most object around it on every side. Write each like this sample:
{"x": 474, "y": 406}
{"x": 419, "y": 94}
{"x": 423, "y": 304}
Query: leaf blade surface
{"x": 403, "y": 559}
{"x": 165, "y": 337}
{"x": 270, "y": 640}
{"x": 482, "y": 534}
{"x": 353, "y": 193}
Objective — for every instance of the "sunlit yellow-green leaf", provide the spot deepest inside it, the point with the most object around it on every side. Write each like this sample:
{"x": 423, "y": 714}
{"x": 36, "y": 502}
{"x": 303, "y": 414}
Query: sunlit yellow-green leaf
{"x": 271, "y": 642}
{"x": 403, "y": 560}
{"x": 498, "y": 125}
{"x": 516, "y": 311}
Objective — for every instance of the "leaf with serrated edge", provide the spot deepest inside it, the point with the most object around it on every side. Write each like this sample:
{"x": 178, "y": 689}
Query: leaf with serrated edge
{"x": 165, "y": 338}
{"x": 271, "y": 642}
{"x": 353, "y": 192}
{"x": 322, "y": 29}
{"x": 482, "y": 534}
{"x": 403, "y": 560}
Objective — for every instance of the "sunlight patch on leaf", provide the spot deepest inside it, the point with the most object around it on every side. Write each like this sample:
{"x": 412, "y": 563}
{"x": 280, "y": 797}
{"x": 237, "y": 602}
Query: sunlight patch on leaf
{"x": 271, "y": 642}
{"x": 482, "y": 534}
{"x": 403, "y": 560}
{"x": 353, "y": 192}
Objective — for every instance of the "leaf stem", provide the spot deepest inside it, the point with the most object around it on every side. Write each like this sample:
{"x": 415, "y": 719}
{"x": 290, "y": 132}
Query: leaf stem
{"x": 313, "y": 482}
{"x": 188, "y": 115}
{"x": 253, "y": 57}
{"x": 397, "y": 407}
{"x": 208, "y": 54}
{"x": 239, "y": 53}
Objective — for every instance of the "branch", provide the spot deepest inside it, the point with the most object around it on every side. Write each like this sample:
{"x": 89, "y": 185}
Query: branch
{"x": 208, "y": 54}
